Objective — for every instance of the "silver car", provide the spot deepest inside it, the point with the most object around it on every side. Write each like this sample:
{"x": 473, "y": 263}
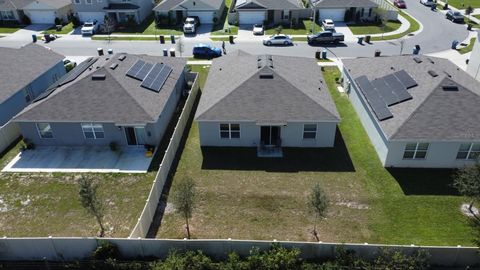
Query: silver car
{"x": 279, "y": 39}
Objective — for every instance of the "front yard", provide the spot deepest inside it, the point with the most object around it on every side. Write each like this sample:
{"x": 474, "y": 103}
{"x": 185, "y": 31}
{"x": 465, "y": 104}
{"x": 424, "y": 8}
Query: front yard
{"x": 462, "y": 4}
{"x": 65, "y": 30}
{"x": 43, "y": 204}
{"x": 244, "y": 197}
{"x": 148, "y": 27}
{"x": 8, "y": 30}
{"x": 373, "y": 28}
{"x": 303, "y": 28}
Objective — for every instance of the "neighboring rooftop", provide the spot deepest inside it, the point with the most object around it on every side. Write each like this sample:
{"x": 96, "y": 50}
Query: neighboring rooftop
{"x": 104, "y": 93}
{"x": 268, "y": 4}
{"x": 14, "y": 4}
{"x": 22, "y": 66}
{"x": 55, "y": 3}
{"x": 167, "y": 5}
{"x": 121, "y": 6}
{"x": 444, "y": 104}
{"x": 344, "y": 3}
{"x": 266, "y": 88}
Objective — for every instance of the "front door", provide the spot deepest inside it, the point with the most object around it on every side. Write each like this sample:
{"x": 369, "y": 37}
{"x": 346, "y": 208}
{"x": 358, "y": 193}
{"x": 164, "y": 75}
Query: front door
{"x": 131, "y": 138}
{"x": 270, "y": 135}
{"x": 271, "y": 16}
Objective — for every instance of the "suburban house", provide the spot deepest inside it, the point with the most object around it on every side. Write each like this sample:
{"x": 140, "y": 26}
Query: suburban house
{"x": 119, "y": 11}
{"x": 45, "y": 11}
{"x": 268, "y": 102}
{"x": 11, "y": 11}
{"x": 251, "y": 12}
{"x": 175, "y": 11}
{"x": 27, "y": 72}
{"x": 418, "y": 111}
{"x": 345, "y": 10}
{"x": 473, "y": 67}
{"x": 122, "y": 99}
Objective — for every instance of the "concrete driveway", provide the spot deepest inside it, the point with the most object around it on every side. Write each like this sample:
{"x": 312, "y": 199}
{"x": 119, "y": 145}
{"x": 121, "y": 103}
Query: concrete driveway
{"x": 80, "y": 159}
{"x": 341, "y": 27}
{"x": 24, "y": 35}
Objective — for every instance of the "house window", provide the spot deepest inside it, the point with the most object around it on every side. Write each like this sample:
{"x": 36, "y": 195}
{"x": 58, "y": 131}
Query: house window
{"x": 26, "y": 94}
{"x": 76, "y": 2}
{"x": 44, "y": 130}
{"x": 416, "y": 151}
{"x": 286, "y": 14}
{"x": 469, "y": 151}
{"x": 88, "y": 2}
{"x": 93, "y": 131}
{"x": 230, "y": 131}
{"x": 370, "y": 12}
{"x": 309, "y": 131}
{"x": 7, "y": 15}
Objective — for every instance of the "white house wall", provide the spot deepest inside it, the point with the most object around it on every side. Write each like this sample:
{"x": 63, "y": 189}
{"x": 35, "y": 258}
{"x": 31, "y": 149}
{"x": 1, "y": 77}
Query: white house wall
{"x": 372, "y": 128}
{"x": 291, "y": 135}
{"x": 439, "y": 155}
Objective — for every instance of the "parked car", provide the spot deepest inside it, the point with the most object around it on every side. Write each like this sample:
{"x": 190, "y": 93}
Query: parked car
{"x": 427, "y": 2}
{"x": 325, "y": 37}
{"x": 454, "y": 16}
{"x": 279, "y": 39}
{"x": 206, "y": 51}
{"x": 328, "y": 24}
{"x": 400, "y": 3}
{"x": 191, "y": 24}
{"x": 90, "y": 28}
{"x": 258, "y": 29}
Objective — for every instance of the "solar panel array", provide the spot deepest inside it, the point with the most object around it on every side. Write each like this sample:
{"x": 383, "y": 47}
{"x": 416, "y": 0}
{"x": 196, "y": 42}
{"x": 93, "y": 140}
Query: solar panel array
{"x": 386, "y": 91}
{"x": 153, "y": 77}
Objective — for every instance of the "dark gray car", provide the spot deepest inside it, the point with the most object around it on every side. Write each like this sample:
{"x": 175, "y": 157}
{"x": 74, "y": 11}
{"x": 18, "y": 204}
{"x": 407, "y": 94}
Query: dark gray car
{"x": 325, "y": 37}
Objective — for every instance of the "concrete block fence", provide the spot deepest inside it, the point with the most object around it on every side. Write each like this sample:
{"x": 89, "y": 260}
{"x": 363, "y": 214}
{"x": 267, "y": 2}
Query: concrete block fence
{"x": 71, "y": 249}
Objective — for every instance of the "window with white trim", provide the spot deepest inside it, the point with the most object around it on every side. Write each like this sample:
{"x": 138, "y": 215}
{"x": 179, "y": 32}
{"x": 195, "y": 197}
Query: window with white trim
{"x": 469, "y": 151}
{"x": 93, "y": 131}
{"x": 230, "y": 131}
{"x": 309, "y": 131}
{"x": 76, "y": 2}
{"x": 286, "y": 14}
{"x": 44, "y": 130}
{"x": 416, "y": 151}
{"x": 7, "y": 15}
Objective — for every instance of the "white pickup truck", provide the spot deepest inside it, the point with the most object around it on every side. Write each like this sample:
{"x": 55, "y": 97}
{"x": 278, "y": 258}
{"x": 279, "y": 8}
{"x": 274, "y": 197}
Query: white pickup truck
{"x": 90, "y": 28}
{"x": 190, "y": 25}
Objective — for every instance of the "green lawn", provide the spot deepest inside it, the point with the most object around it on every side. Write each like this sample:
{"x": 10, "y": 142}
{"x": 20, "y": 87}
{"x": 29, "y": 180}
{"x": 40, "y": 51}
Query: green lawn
{"x": 468, "y": 48}
{"x": 245, "y": 197}
{"x": 43, "y": 204}
{"x": 414, "y": 26}
{"x": 373, "y": 28}
{"x": 9, "y": 30}
{"x": 462, "y": 4}
{"x": 223, "y": 27}
{"x": 303, "y": 28}
{"x": 477, "y": 16}
{"x": 65, "y": 30}
{"x": 148, "y": 27}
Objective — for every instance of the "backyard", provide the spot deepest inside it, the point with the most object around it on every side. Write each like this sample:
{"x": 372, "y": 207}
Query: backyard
{"x": 241, "y": 196}
{"x": 43, "y": 204}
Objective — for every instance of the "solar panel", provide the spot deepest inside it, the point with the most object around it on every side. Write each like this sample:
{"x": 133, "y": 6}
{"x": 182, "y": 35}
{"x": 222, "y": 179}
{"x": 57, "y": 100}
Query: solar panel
{"x": 378, "y": 106}
{"x": 161, "y": 79}
{"x": 405, "y": 79}
{"x": 144, "y": 71}
{"x": 132, "y": 72}
{"x": 385, "y": 91}
{"x": 397, "y": 88}
{"x": 152, "y": 75}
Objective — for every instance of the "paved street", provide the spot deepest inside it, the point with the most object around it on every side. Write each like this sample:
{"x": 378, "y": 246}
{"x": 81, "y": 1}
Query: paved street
{"x": 437, "y": 35}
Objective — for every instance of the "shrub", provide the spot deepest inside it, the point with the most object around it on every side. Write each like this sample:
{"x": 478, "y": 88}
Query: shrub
{"x": 106, "y": 250}
{"x": 75, "y": 21}
{"x": 192, "y": 260}
{"x": 26, "y": 20}
{"x": 58, "y": 21}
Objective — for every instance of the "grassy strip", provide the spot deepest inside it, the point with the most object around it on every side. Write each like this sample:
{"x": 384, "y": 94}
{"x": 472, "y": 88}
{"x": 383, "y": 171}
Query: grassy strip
{"x": 8, "y": 30}
{"x": 414, "y": 26}
{"x": 225, "y": 32}
{"x": 468, "y": 48}
{"x": 220, "y": 38}
{"x": 65, "y": 30}
{"x": 373, "y": 28}
{"x": 301, "y": 39}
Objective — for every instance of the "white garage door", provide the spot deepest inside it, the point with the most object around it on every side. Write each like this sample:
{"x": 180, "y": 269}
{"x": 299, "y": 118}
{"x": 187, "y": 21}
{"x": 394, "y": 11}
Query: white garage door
{"x": 41, "y": 17}
{"x": 206, "y": 17}
{"x": 90, "y": 16}
{"x": 337, "y": 15}
{"x": 251, "y": 17}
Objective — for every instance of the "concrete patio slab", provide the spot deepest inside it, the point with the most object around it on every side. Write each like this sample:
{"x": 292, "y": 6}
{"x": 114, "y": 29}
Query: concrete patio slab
{"x": 80, "y": 159}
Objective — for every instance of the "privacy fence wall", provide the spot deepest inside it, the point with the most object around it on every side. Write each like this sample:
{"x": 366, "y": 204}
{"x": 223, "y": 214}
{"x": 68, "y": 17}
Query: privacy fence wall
{"x": 148, "y": 212}
{"x": 8, "y": 133}
{"x": 70, "y": 249}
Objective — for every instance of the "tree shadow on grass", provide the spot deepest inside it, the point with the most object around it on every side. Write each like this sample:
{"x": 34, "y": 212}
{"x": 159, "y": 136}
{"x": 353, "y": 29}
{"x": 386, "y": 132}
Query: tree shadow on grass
{"x": 336, "y": 159}
{"x": 425, "y": 181}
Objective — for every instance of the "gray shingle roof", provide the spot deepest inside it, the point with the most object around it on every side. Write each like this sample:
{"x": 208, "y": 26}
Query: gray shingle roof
{"x": 270, "y": 4}
{"x": 234, "y": 91}
{"x": 121, "y": 6}
{"x": 14, "y": 4}
{"x": 21, "y": 66}
{"x": 56, "y": 3}
{"x": 345, "y": 3}
{"x": 433, "y": 114}
{"x": 167, "y": 5}
{"x": 118, "y": 99}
